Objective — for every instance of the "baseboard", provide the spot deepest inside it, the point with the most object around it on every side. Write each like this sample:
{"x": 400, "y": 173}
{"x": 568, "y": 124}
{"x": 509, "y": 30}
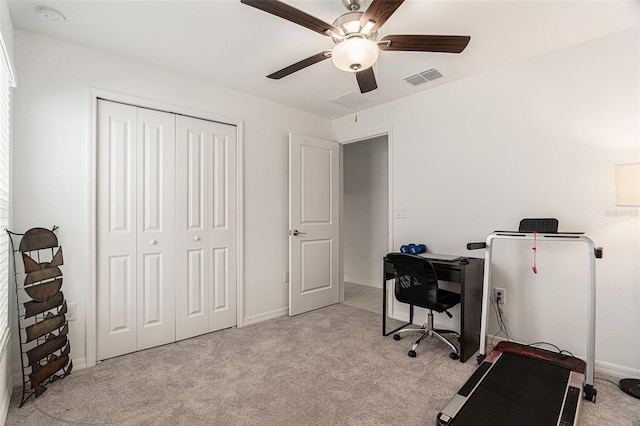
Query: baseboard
{"x": 600, "y": 367}
{"x": 4, "y": 404}
{"x": 5, "y": 401}
{"x": 6, "y": 389}
{"x": 402, "y": 317}
{"x": 79, "y": 363}
{"x": 254, "y": 319}
{"x": 617, "y": 371}
{"x": 363, "y": 282}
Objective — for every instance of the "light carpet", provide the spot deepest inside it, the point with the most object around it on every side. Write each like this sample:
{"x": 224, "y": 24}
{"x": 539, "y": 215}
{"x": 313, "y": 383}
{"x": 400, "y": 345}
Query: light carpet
{"x": 327, "y": 367}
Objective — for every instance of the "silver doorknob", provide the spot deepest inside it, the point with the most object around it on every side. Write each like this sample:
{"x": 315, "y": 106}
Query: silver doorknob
{"x": 296, "y": 232}
{"x": 153, "y": 242}
{"x": 196, "y": 238}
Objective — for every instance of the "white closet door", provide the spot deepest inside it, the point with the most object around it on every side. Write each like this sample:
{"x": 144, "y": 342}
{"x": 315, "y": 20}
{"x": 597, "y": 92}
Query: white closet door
{"x": 135, "y": 229}
{"x": 206, "y": 227}
{"x": 116, "y": 229}
{"x": 222, "y": 226}
{"x": 156, "y": 222}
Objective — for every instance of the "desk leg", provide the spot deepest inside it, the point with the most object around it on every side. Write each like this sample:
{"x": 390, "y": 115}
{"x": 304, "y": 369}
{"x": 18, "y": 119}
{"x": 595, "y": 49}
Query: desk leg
{"x": 384, "y": 311}
{"x": 471, "y": 310}
{"x": 384, "y": 304}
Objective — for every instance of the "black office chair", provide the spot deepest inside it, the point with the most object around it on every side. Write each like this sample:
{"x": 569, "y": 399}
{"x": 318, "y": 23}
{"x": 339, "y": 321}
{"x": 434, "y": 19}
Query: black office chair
{"x": 417, "y": 284}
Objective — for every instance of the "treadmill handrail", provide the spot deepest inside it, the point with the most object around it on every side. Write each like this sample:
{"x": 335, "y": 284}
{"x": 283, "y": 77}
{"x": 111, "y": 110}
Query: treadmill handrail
{"x": 591, "y": 302}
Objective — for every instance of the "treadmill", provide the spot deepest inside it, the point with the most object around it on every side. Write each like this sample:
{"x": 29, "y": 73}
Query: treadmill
{"x": 519, "y": 384}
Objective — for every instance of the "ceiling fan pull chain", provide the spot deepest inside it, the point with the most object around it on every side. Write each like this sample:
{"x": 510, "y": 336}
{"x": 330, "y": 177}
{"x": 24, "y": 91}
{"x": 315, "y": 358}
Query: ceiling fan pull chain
{"x": 355, "y": 106}
{"x": 534, "y": 268}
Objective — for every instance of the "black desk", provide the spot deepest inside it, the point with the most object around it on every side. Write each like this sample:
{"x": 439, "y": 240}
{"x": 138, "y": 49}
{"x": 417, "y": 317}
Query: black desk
{"x": 469, "y": 273}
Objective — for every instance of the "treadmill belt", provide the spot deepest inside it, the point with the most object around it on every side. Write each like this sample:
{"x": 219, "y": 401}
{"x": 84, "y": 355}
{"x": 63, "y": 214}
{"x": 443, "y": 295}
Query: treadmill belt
{"x": 519, "y": 390}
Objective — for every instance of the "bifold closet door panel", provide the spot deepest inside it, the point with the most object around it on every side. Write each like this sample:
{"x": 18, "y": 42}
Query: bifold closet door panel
{"x": 192, "y": 263}
{"x": 116, "y": 224}
{"x": 206, "y": 226}
{"x": 135, "y": 229}
{"x": 223, "y": 226}
{"x": 155, "y": 228}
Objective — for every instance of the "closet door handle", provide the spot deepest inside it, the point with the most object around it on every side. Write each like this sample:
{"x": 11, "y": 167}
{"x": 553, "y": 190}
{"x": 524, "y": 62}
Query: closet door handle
{"x": 196, "y": 238}
{"x": 153, "y": 242}
{"x": 296, "y": 232}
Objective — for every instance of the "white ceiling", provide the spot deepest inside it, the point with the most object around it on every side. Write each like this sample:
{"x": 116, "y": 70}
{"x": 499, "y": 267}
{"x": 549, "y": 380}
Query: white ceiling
{"x": 234, "y": 45}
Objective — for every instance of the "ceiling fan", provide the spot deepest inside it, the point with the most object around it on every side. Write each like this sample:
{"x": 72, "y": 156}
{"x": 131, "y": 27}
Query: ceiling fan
{"x": 354, "y": 34}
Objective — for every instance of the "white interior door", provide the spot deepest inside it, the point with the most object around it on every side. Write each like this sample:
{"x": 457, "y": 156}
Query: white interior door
{"x": 206, "y": 226}
{"x": 136, "y": 186}
{"x": 314, "y": 228}
{"x": 116, "y": 227}
{"x": 156, "y": 222}
{"x": 222, "y": 233}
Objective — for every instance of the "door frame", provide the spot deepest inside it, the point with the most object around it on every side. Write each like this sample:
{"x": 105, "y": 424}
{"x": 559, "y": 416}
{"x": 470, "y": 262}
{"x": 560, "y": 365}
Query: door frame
{"x": 91, "y": 296}
{"x": 359, "y": 137}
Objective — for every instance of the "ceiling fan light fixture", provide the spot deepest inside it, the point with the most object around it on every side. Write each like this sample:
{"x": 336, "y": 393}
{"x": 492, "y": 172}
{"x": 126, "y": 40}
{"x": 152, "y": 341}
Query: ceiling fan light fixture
{"x": 352, "y": 27}
{"x": 368, "y": 27}
{"x": 355, "y": 54}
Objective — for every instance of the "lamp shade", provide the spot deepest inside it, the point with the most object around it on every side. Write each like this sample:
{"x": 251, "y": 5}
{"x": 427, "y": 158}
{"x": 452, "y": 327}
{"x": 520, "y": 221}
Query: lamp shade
{"x": 628, "y": 184}
{"x": 355, "y": 54}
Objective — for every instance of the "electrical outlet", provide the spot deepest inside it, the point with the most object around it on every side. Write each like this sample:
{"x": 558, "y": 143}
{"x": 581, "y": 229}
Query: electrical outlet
{"x": 500, "y": 296}
{"x": 72, "y": 312}
{"x": 286, "y": 277}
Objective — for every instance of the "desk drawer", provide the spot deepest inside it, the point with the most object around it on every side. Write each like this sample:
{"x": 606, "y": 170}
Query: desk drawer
{"x": 449, "y": 275}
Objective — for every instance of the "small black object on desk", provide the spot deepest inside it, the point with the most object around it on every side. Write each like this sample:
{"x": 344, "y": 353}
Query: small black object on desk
{"x": 469, "y": 273}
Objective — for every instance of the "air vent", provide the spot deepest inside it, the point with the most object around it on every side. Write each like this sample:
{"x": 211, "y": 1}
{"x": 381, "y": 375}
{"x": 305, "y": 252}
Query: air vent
{"x": 350, "y": 100}
{"x": 423, "y": 77}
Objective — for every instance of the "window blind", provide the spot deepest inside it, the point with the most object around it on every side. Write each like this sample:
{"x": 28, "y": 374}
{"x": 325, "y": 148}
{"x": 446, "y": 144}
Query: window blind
{"x": 6, "y": 82}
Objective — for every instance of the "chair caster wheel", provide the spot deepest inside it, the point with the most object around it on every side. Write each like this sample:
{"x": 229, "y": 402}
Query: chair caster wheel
{"x": 412, "y": 354}
{"x": 454, "y": 355}
{"x": 396, "y": 337}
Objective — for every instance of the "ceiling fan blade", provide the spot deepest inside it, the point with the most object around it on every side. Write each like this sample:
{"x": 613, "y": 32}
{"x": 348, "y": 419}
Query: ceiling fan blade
{"x": 379, "y": 11}
{"x": 292, "y": 14}
{"x": 300, "y": 65}
{"x": 366, "y": 80}
{"x": 424, "y": 43}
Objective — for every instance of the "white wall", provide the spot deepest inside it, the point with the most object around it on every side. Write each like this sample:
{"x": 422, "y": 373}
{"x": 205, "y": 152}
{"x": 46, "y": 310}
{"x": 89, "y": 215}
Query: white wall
{"x": 365, "y": 218}
{"x": 534, "y": 139}
{"x": 52, "y": 154}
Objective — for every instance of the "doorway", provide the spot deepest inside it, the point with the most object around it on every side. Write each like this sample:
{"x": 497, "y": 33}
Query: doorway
{"x": 366, "y": 220}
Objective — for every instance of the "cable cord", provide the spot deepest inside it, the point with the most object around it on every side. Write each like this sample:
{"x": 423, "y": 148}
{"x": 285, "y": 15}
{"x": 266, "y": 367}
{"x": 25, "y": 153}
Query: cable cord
{"x": 505, "y": 330}
{"x": 501, "y": 323}
{"x": 607, "y": 380}
{"x": 560, "y": 351}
